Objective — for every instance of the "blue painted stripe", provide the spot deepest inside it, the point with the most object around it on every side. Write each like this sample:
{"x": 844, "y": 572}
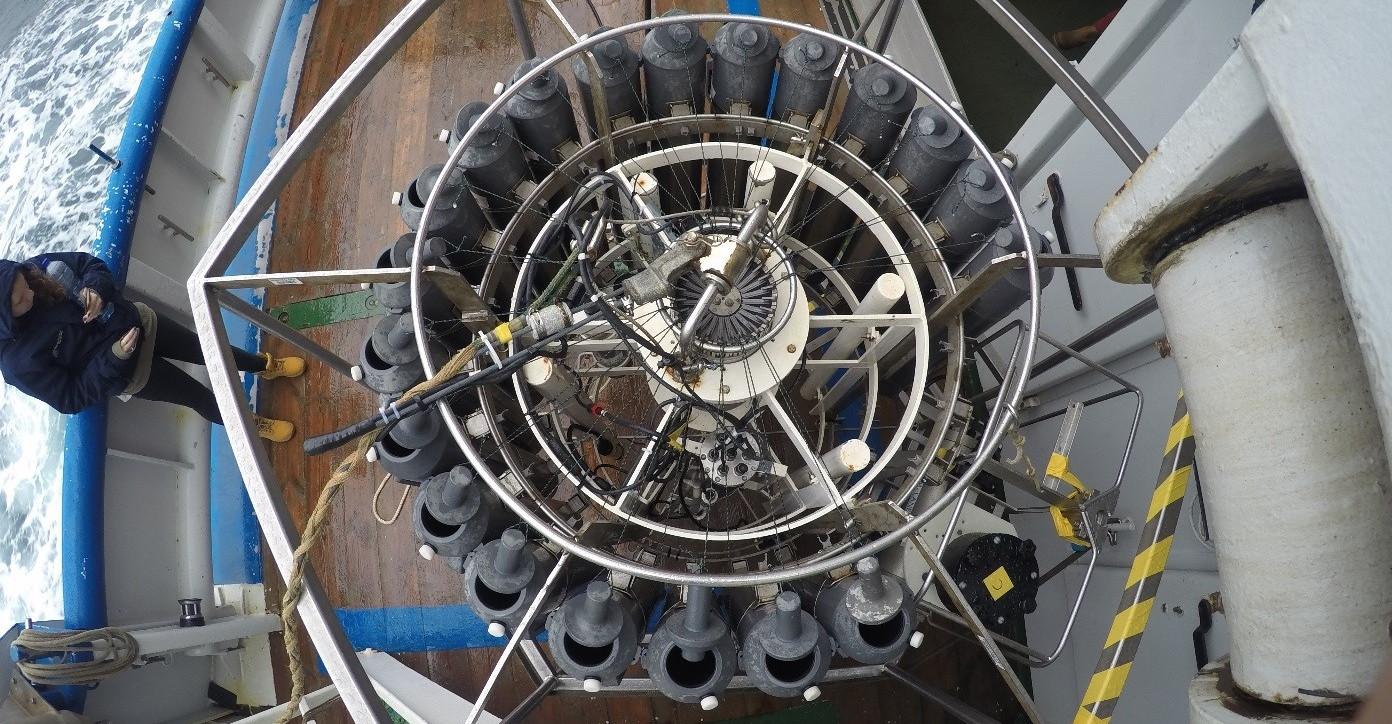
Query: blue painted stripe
{"x": 84, "y": 443}
{"x": 84, "y": 469}
{"x": 416, "y": 628}
{"x": 236, "y": 533}
{"x": 743, "y": 7}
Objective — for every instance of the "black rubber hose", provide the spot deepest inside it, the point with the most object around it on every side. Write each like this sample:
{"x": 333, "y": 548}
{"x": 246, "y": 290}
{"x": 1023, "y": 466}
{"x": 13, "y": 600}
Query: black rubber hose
{"x": 320, "y": 444}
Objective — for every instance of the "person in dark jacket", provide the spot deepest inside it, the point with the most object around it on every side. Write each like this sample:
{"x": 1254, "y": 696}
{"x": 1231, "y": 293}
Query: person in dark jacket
{"x": 78, "y": 345}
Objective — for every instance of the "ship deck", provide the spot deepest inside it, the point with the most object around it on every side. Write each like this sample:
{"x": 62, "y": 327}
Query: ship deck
{"x": 337, "y": 214}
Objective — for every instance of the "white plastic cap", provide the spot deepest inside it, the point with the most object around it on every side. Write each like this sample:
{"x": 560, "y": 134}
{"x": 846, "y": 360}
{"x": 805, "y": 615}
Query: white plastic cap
{"x": 443, "y": 135}
{"x": 709, "y": 703}
{"x": 592, "y": 685}
{"x": 365, "y": 286}
{"x": 497, "y": 630}
{"x": 356, "y": 372}
{"x": 396, "y": 198}
{"x": 498, "y": 88}
{"x": 1008, "y": 162}
{"x": 426, "y": 552}
{"x": 371, "y": 455}
{"x": 916, "y": 640}
{"x": 812, "y": 693}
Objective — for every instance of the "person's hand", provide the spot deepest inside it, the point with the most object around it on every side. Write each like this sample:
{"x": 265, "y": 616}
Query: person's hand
{"x": 125, "y": 346}
{"x": 91, "y": 303}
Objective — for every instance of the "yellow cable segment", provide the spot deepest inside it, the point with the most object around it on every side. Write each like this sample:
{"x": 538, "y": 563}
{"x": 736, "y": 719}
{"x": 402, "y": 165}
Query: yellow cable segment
{"x": 503, "y": 332}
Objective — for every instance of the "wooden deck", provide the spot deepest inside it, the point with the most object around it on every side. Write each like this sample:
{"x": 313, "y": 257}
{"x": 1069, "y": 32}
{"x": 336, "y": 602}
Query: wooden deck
{"x": 337, "y": 214}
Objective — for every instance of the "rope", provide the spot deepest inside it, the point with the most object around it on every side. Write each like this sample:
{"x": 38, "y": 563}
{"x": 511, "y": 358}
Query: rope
{"x": 111, "y": 649}
{"x": 318, "y": 523}
{"x": 400, "y": 504}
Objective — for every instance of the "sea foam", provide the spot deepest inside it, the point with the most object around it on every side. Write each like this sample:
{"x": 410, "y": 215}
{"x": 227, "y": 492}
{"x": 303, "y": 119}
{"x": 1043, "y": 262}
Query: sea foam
{"x": 66, "y": 80}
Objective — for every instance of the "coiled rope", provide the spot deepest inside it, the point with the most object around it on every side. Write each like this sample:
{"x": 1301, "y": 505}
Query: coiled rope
{"x": 111, "y": 651}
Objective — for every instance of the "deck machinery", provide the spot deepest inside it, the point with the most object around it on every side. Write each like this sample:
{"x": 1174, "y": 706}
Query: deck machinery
{"x": 732, "y": 382}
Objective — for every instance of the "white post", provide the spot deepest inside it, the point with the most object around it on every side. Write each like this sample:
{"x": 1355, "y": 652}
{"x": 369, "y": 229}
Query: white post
{"x": 1295, "y": 477}
{"x": 759, "y": 187}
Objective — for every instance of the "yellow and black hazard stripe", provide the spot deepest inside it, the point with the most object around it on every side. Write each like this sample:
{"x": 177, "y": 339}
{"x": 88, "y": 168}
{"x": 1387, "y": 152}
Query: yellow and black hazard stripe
{"x": 1124, "y": 638}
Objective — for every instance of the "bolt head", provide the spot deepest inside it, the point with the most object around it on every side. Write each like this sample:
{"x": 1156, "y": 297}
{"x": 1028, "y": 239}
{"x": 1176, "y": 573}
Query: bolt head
{"x": 680, "y": 33}
{"x": 815, "y": 51}
{"x": 880, "y": 88}
{"x": 748, "y": 37}
{"x": 980, "y": 178}
{"x": 792, "y": 349}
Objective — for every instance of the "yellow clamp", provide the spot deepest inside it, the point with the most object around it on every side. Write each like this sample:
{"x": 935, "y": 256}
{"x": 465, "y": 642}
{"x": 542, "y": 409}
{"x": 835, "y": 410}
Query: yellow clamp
{"x": 1065, "y": 520}
{"x": 1058, "y": 468}
{"x": 503, "y": 332}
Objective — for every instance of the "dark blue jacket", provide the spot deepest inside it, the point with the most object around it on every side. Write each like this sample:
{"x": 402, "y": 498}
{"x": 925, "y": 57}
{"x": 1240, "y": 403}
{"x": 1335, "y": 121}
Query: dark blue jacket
{"x": 50, "y": 354}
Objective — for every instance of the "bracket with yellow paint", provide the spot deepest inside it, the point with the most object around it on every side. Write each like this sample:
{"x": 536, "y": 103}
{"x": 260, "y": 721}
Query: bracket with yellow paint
{"x": 1059, "y": 479}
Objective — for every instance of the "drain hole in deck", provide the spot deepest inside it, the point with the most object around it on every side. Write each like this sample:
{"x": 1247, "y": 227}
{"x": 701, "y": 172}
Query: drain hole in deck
{"x": 791, "y": 672}
{"x": 493, "y": 600}
{"x": 883, "y": 635}
{"x": 587, "y": 655}
{"x": 690, "y": 674}
{"x": 434, "y": 527}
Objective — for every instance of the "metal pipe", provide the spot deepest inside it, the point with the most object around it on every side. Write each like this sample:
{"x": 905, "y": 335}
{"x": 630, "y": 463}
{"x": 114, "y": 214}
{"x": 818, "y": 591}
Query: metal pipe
{"x": 1093, "y": 106}
{"x": 950, "y": 704}
{"x": 891, "y": 18}
{"x": 1136, "y": 312}
{"x": 524, "y": 34}
{"x": 533, "y": 700}
{"x": 688, "y": 331}
{"x": 267, "y": 323}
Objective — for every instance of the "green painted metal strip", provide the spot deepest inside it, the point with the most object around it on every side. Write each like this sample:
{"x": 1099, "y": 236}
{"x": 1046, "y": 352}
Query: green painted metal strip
{"x": 327, "y": 310}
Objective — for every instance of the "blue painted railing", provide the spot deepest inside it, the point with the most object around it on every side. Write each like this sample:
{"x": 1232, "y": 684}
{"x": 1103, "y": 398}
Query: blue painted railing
{"x": 84, "y": 442}
{"x": 84, "y": 447}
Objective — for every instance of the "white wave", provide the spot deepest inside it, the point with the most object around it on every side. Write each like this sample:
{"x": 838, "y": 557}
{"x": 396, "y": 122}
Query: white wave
{"x": 66, "y": 81}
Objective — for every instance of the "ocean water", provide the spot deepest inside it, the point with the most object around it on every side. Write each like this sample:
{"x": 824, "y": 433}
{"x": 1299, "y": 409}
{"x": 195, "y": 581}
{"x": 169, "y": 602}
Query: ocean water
{"x": 68, "y": 71}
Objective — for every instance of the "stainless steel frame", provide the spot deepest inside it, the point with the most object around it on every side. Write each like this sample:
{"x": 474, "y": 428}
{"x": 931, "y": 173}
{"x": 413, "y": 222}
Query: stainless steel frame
{"x": 207, "y": 301}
